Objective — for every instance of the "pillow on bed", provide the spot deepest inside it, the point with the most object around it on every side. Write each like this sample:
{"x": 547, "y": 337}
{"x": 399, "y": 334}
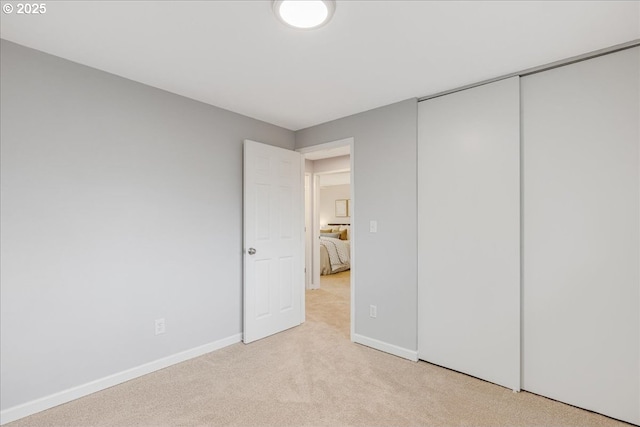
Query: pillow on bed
{"x": 348, "y": 229}
{"x": 343, "y": 234}
{"x": 326, "y": 230}
{"x": 334, "y": 235}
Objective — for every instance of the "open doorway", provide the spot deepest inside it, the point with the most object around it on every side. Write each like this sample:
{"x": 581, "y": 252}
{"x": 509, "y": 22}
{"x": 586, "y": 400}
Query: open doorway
{"x": 329, "y": 221}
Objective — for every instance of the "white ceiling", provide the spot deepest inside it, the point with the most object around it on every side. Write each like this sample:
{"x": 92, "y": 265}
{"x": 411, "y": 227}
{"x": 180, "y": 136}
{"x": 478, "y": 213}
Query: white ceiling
{"x": 238, "y": 56}
{"x": 345, "y": 150}
{"x": 331, "y": 179}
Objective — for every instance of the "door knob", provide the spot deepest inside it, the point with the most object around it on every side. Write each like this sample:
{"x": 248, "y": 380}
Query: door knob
{"x": 251, "y": 251}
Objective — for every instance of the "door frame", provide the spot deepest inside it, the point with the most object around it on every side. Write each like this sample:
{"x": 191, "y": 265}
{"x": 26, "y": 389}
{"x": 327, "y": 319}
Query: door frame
{"x": 353, "y": 209}
{"x": 317, "y": 177}
{"x": 308, "y": 232}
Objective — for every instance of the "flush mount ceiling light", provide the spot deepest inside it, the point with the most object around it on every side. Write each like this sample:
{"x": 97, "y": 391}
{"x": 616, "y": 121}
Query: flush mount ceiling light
{"x": 304, "y": 14}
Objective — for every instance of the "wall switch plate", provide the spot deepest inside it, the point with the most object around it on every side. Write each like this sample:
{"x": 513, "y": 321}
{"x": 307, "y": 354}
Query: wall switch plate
{"x": 373, "y": 311}
{"x": 373, "y": 226}
{"x": 160, "y": 326}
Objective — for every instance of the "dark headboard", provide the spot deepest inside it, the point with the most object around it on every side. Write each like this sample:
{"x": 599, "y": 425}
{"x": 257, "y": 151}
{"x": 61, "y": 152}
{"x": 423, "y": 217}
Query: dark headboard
{"x": 338, "y": 224}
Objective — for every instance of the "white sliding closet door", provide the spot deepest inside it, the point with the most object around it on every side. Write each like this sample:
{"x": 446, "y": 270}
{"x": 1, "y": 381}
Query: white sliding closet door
{"x": 469, "y": 232}
{"x": 581, "y": 236}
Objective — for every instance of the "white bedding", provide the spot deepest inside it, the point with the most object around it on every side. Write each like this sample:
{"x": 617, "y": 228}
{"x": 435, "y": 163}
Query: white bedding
{"x": 338, "y": 251}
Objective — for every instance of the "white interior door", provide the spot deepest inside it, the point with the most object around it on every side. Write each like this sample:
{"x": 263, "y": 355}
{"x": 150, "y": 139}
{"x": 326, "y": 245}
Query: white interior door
{"x": 469, "y": 232}
{"x": 273, "y": 240}
{"x": 581, "y": 287}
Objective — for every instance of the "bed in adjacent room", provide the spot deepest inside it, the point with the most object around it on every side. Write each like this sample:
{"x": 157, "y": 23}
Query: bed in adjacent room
{"x": 335, "y": 249}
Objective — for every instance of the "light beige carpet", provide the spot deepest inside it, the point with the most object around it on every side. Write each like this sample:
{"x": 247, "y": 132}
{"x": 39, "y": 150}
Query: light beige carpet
{"x": 311, "y": 375}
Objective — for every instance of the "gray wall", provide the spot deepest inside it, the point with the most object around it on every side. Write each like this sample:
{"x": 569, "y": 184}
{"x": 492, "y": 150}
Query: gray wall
{"x": 384, "y": 177}
{"x": 327, "y": 209}
{"x": 121, "y": 204}
{"x": 308, "y": 166}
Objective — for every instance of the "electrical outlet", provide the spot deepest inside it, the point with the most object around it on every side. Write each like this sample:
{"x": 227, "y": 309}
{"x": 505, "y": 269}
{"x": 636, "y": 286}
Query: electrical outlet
{"x": 160, "y": 326}
{"x": 373, "y": 311}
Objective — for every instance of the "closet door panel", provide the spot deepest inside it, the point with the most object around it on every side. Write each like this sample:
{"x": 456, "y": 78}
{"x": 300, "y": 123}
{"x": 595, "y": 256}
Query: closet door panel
{"x": 469, "y": 232}
{"x": 581, "y": 240}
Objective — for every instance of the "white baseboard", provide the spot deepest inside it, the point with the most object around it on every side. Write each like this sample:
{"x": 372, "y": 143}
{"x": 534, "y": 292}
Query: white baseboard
{"x": 386, "y": 347}
{"x": 20, "y": 411}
